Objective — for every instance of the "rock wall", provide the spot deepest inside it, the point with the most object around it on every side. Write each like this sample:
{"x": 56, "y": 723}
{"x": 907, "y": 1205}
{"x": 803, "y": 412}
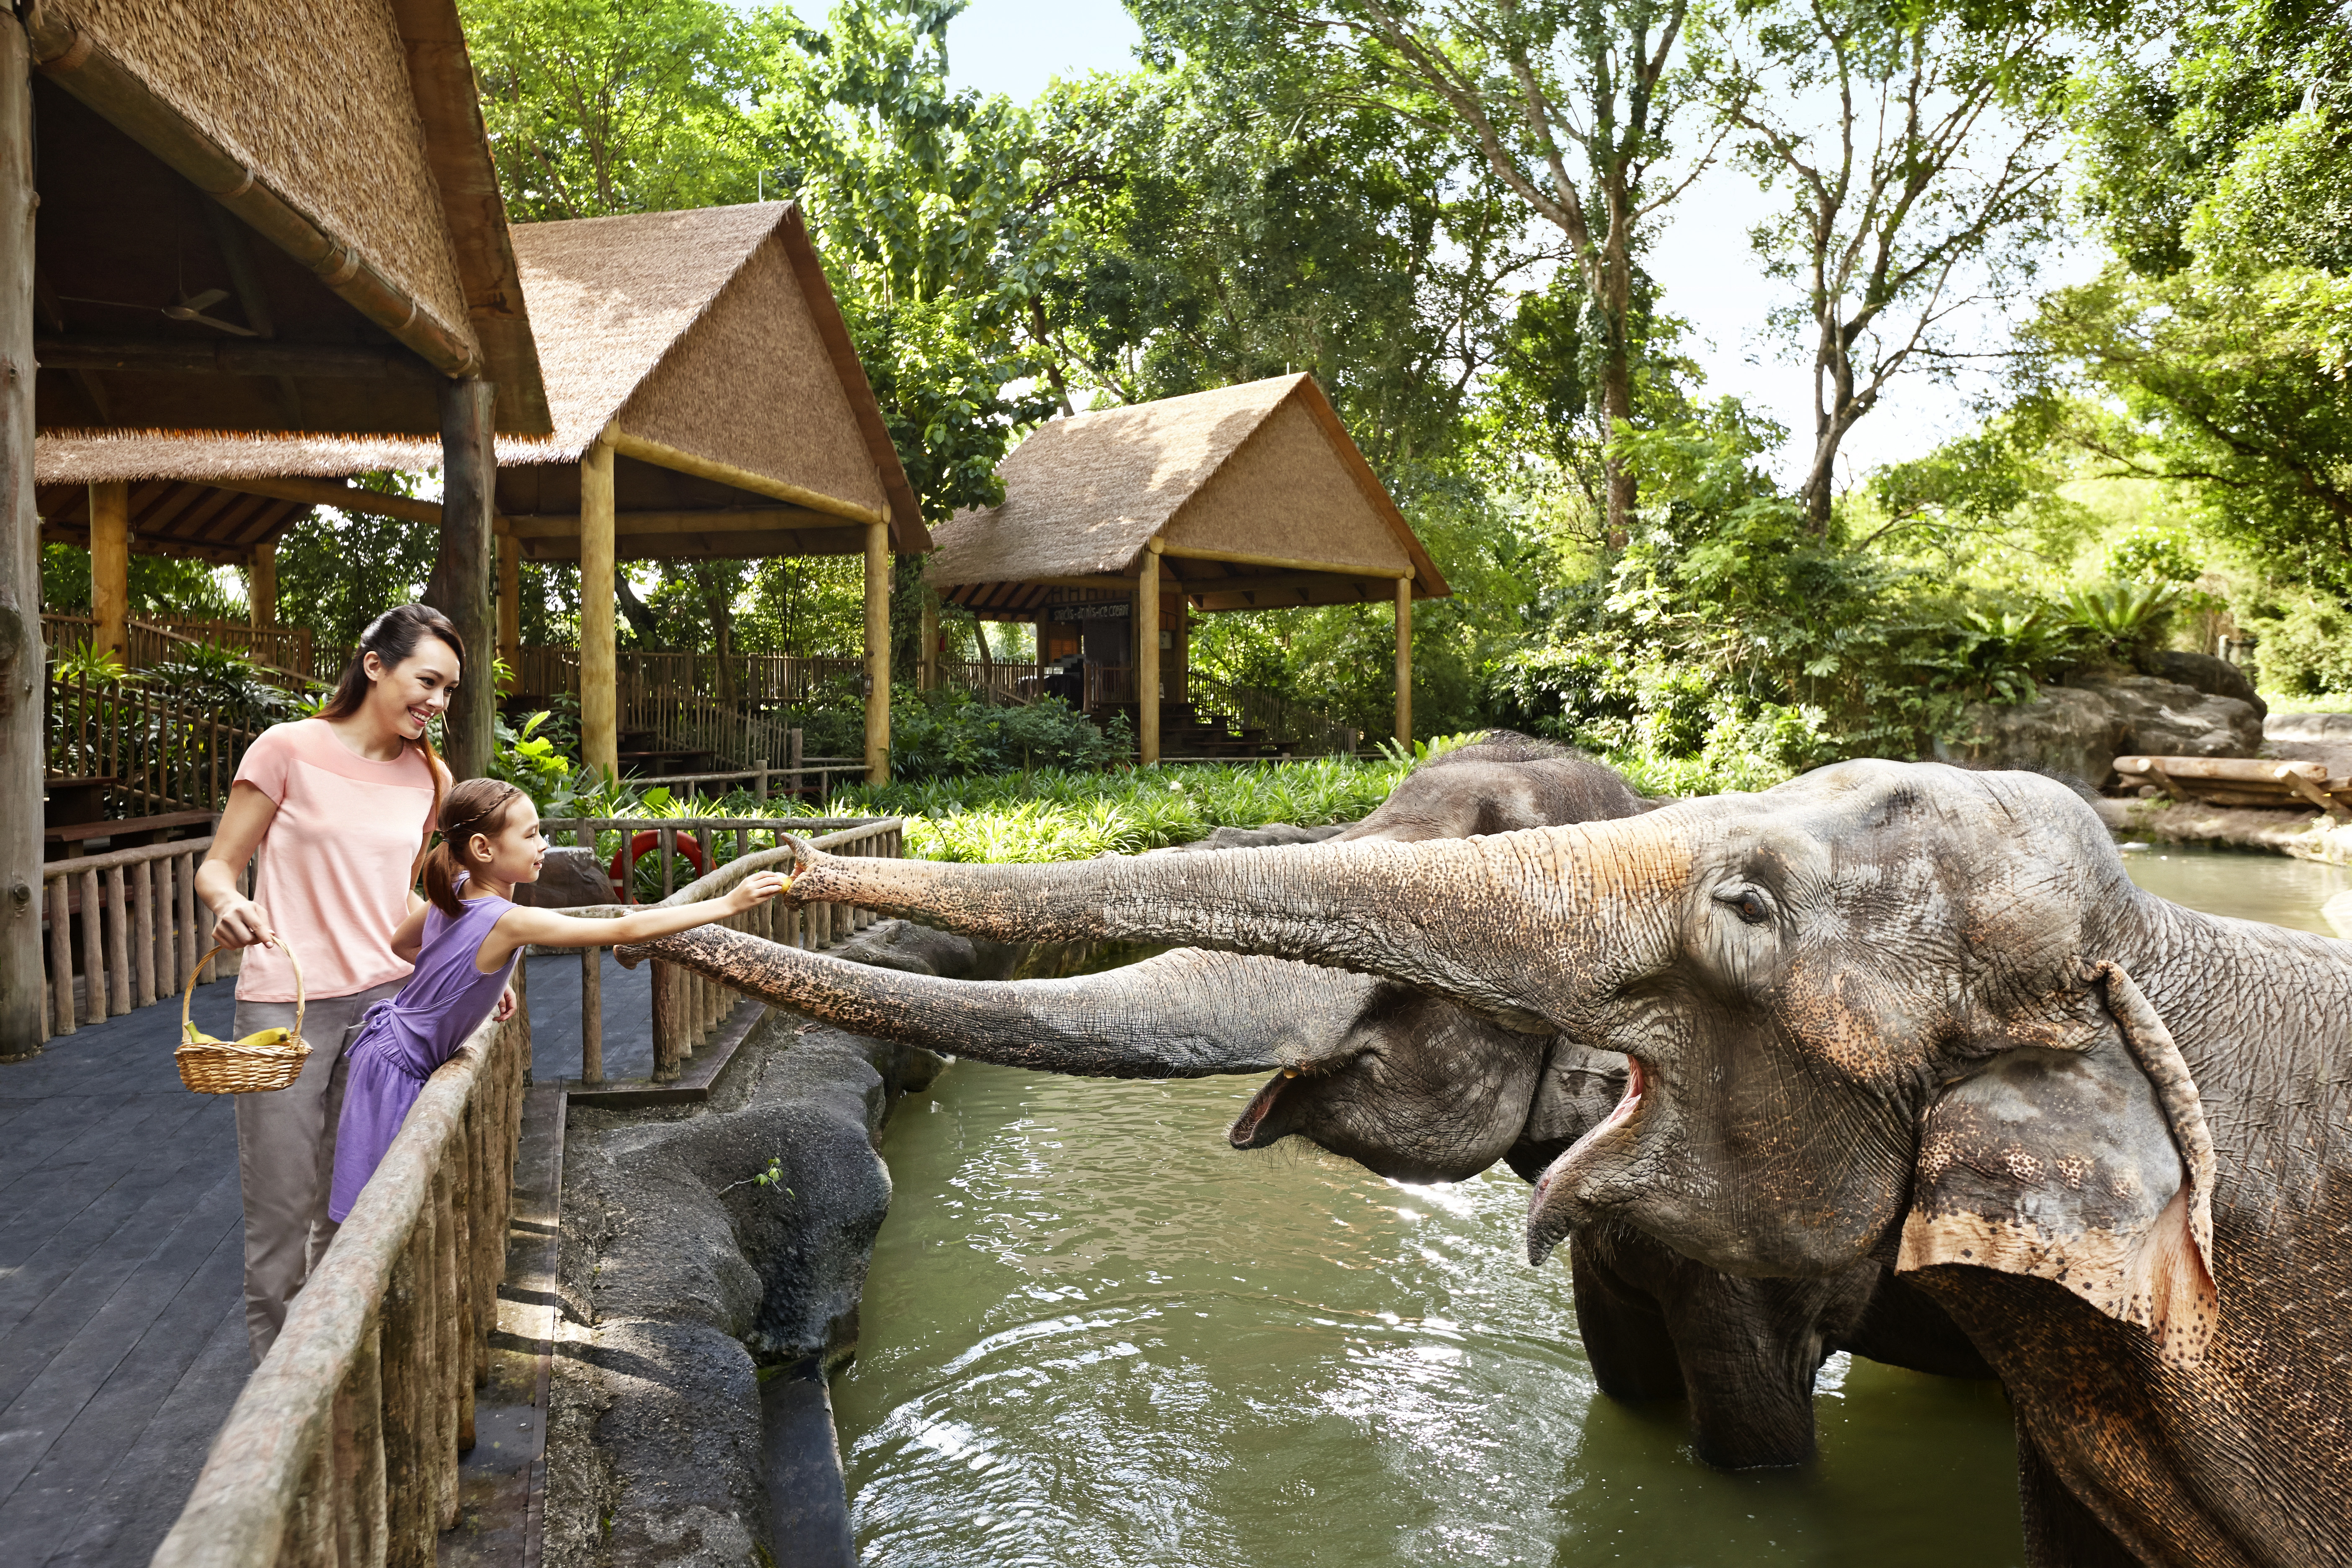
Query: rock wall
{"x": 2078, "y": 729}
{"x": 685, "y": 1282}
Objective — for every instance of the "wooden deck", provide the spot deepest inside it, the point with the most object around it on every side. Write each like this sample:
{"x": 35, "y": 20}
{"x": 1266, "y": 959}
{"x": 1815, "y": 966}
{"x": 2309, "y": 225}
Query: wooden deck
{"x": 122, "y": 1338}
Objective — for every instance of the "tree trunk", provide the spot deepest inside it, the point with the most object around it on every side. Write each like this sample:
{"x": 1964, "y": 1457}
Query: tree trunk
{"x": 21, "y": 653}
{"x": 463, "y": 577}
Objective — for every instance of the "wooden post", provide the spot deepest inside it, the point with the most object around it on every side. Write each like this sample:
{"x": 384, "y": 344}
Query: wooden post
{"x": 600, "y": 736}
{"x": 511, "y": 601}
{"x": 460, "y": 584}
{"x": 21, "y": 654}
{"x": 110, "y": 566}
{"x": 927, "y": 671}
{"x": 878, "y": 653}
{"x": 1147, "y": 657}
{"x": 261, "y": 584}
{"x": 1404, "y": 662}
{"x": 793, "y": 754}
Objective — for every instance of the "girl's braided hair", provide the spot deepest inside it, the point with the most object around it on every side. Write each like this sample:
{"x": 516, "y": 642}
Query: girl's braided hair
{"x": 478, "y": 805}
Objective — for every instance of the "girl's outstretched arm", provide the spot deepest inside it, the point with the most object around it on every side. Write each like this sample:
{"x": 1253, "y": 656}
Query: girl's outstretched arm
{"x": 522, "y": 926}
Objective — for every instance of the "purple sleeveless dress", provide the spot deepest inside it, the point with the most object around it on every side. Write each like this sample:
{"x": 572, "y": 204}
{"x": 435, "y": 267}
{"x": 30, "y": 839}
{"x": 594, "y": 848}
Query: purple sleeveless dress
{"x": 402, "y": 1038}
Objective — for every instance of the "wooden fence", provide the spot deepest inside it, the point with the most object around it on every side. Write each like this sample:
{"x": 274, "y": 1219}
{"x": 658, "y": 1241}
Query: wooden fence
{"x": 280, "y": 650}
{"x": 1305, "y": 732}
{"x": 687, "y": 1008}
{"x": 169, "y": 754}
{"x": 141, "y": 929}
{"x": 343, "y": 1446}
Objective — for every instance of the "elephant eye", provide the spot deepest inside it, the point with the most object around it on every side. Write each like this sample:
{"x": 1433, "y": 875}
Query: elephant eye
{"x": 1748, "y": 903}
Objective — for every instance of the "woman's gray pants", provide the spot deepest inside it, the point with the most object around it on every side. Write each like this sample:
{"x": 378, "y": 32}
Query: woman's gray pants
{"x": 286, "y": 1156}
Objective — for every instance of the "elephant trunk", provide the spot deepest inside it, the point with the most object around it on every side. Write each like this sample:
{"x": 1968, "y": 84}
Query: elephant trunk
{"x": 1181, "y": 1015}
{"x": 1502, "y": 925}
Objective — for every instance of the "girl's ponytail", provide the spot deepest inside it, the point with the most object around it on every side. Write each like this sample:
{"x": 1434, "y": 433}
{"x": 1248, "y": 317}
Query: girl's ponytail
{"x": 478, "y": 805}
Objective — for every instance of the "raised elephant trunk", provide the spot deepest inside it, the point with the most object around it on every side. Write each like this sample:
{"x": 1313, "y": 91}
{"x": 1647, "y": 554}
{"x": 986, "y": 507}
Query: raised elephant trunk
{"x": 1458, "y": 918}
{"x": 1181, "y": 1015}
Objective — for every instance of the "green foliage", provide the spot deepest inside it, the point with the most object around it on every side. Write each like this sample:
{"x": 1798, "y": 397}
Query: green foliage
{"x": 88, "y": 662}
{"x": 2303, "y": 646}
{"x": 941, "y": 733}
{"x": 223, "y": 681}
{"x": 2153, "y": 554}
{"x": 161, "y": 588}
{"x": 338, "y": 570}
{"x": 531, "y": 762}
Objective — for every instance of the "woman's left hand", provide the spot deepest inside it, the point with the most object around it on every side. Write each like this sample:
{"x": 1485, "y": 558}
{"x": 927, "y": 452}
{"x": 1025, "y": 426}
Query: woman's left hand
{"x": 506, "y": 1007}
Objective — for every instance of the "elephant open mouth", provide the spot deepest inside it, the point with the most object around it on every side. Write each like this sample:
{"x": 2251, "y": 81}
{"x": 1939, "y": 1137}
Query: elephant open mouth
{"x": 1546, "y": 1224}
{"x": 1244, "y": 1132}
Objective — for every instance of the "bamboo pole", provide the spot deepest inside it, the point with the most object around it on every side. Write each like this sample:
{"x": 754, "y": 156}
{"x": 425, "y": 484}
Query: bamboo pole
{"x": 927, "y": 666}
{"x": 460, "y": 586}
{"x": 110, "y": 566}
{"x": 23, "y": 740}
{"x": 117, "y": 942}
{"x": 1404, "y": 662}
{"x": 600, "y": 737}
{"x": 261, "y": 584}
{"x": 510, "y": 603}
{"x": 1147, "y": 657}
{"x": 878, "y": 653}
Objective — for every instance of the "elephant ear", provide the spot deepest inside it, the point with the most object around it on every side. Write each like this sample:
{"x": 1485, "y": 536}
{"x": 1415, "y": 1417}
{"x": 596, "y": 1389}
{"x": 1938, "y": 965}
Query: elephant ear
{"x": 2091, "y": 1167}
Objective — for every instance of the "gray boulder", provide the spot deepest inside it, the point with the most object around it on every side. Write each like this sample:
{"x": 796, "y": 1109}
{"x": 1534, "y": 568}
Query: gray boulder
{"x": 568, "y": 878}
{"x": 2076, "y": 732}
{"x": 2166, "y": 719}
{"x": 2214, "y": 676}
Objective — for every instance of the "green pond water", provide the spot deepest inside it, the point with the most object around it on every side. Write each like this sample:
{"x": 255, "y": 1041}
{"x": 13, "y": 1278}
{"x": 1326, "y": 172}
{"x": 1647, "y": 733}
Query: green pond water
{"x": 1094, "y": 1334}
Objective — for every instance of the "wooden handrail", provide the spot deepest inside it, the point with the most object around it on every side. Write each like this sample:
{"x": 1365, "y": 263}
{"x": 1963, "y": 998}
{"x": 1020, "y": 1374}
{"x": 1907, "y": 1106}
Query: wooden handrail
{"x": 344, "y": 1443}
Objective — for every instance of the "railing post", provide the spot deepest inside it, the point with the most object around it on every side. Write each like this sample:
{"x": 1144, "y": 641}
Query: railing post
{"x": 62, "y": 954}
{"x": 117, "y": 944}
{"x": 592, "y": 1014}
{"x": 667, "y": 1022}
{"x": 94, "y": 950}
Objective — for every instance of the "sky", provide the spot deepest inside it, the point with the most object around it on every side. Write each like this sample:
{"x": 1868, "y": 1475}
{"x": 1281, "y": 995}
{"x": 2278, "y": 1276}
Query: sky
{"x": 1709, "y": 275}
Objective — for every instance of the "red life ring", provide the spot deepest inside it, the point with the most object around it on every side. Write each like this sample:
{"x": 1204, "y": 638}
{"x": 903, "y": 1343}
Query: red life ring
{"x": 650, "y": 839}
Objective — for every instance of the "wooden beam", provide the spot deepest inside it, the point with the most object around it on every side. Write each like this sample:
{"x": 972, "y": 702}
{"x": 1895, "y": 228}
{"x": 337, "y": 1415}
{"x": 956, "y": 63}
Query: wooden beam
{"x": 1147, "y": 658}
{"x": 715, "y": 520}
{"x": 877, "y": 651}
{"x": 511, "y": 601}
{"x": 727, "y": 546}
{"x": 1405, "y": 663}
{"x": 460, "y": 586}
{"x": 1280, "y": 563}
{"x": 1367, "y": 590}
{"x": 927, "y": 669}
{"x": 337, "y": 494}
{"x": 23, "y": 744}
{"x": 110, "y": 566}
{"x": 90, "y": 71}
{"x": 684, "y": 462}
{"x": 261, "y": 584}
{"x": 224, "y": 356}
{"x": 600, "y": 736}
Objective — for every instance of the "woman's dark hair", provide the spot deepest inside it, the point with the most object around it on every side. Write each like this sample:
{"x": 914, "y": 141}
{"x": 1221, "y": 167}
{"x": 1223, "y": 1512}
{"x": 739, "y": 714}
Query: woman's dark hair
{"x": 478, "y": 805}
{"x": 393, "y": 637}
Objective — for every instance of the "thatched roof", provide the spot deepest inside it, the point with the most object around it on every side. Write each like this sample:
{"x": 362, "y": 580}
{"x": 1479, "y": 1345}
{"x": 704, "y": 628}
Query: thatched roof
{"x": 710, "y": 332}
{"x": 87, "y": 457}
{"x": 1262, "y": 469}
{"x": 348, "y": 142}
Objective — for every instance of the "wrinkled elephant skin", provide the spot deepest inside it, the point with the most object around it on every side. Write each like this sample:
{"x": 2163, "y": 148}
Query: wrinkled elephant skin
{"x": 1888, "y": 1011}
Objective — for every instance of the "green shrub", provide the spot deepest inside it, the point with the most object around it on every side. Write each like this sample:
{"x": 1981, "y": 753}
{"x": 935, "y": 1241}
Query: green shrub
{"x": 940, "y": 734}
{"x": 2303, "y": 646}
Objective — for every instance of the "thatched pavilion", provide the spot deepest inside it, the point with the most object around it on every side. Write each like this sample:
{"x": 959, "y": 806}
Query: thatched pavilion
{"x": 1247, "y": 497}
{"x": 706, "y": 403}
{"x": 280, "y": 217}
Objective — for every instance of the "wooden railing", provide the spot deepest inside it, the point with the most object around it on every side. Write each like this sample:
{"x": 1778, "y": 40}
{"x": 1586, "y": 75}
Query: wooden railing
{"x": 687, "y": 1007}
{"x": 1305, "y": 732}
{"x": 141, "y": 931}
{"x": 758, "y": 679}
{"x": 343, "y": 1446}
{"x": 1006, "y": 681}
{"x": 170, "y": 754}
{"x": 277, "y": 650}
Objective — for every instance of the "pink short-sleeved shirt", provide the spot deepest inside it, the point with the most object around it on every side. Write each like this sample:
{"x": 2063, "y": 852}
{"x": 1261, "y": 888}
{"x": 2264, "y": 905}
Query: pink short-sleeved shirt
{"x": 334, "y": 872}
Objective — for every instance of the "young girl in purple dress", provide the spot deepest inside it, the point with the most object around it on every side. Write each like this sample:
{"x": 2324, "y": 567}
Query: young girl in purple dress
{"x": 462, "y": 942}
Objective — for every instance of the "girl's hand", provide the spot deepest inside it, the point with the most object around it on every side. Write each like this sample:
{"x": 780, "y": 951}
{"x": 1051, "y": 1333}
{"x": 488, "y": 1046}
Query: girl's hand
{"x": 506, "y": 1007}
{"x": 754, "y": 890}
{"x": 241, "y": 923}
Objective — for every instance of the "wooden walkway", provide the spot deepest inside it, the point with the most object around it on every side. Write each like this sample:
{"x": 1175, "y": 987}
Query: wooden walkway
{"x": 122, "y": 1338}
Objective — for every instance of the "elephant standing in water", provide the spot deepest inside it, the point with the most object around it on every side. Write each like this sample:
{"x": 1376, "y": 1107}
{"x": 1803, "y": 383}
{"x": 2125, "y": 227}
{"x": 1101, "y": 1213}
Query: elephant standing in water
{"x": 1892, "y": 1012}
{"x": 1419, "y": 1090}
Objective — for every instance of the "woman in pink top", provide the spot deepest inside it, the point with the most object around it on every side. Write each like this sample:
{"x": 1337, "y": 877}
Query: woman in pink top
{"x": 339, "y": 807}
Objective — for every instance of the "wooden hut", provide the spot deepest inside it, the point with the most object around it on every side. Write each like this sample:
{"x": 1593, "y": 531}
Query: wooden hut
{"x": 258, "y": 217}
{"x": 1247, "y": 497}
{"x": 708, "y": 404}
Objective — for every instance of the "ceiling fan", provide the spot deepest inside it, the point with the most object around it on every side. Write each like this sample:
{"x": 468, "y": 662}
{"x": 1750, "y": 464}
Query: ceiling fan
{"x": 186, "y": 308}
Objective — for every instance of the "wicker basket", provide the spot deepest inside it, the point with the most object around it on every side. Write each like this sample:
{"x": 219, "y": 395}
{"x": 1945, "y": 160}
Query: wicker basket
{"x": 269, "y": 1059}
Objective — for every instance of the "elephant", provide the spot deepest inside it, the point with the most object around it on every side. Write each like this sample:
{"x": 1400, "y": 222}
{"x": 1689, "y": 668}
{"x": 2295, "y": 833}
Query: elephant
{"x": 1898, "y": 1012}
{"x": 1419, "y": 1090}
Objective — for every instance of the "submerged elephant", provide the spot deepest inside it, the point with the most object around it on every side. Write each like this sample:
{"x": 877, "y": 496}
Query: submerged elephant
{"x": 1416, "y": 1088}
{"x": 1899, "y": 1012}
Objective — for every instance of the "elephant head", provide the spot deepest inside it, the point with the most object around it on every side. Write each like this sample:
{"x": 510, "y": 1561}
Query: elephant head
{"x": 1862, "y": 1012}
